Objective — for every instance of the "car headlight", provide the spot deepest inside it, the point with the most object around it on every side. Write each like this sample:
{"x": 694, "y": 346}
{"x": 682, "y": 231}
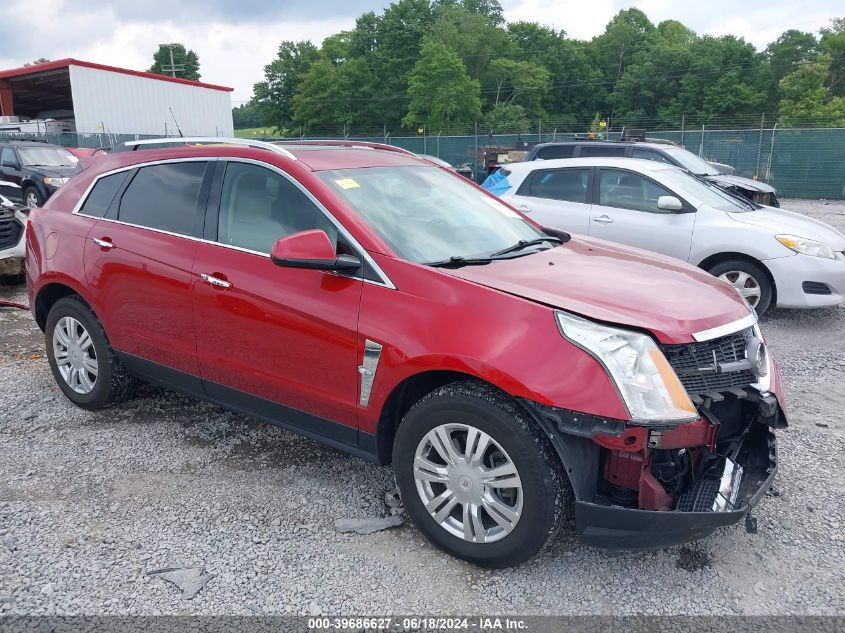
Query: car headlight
{"x": 55, "y": 182}
{"x": 646, "y": 381}
{"x": 806, "y": 247}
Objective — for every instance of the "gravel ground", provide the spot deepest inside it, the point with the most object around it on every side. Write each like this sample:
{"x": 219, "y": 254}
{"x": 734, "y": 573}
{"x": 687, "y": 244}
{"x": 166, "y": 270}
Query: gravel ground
{"x": 92, "y": 502}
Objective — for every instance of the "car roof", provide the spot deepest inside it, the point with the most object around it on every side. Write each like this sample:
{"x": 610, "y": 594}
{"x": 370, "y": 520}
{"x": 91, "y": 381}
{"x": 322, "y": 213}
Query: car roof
{"x": 314, "y": 156}
{"x": 604, "y": 143}
{"x": 637, "y": 164}
{"x": 18, "y": 143}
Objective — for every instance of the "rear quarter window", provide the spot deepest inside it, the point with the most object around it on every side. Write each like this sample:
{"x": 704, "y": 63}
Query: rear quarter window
{"x": 601, "y": 150}
{"x": 101, "y": 196}
{"x": 556, "y": 151}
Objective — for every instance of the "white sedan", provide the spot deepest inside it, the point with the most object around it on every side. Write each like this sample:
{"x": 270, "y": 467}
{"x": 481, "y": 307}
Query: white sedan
{"x": 772, "y": 256}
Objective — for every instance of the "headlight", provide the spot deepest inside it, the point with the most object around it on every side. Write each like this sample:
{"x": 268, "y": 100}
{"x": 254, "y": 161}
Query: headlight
{"x": 648, "y": 384}
{"x": 806, "y": 247}
{"x": 55, "y": 182}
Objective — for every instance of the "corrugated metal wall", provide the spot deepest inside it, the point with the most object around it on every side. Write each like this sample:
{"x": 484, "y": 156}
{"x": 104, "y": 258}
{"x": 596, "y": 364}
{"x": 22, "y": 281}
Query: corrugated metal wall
{"x": 106, "y": 101}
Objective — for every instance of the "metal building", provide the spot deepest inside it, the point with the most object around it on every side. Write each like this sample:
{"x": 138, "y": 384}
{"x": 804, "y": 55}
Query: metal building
{"x": 93, "y": 98}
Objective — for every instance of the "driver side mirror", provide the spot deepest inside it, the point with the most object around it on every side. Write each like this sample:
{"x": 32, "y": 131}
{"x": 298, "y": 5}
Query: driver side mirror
{"x": 311, "y": 249}
{"x": 669, "y": 203}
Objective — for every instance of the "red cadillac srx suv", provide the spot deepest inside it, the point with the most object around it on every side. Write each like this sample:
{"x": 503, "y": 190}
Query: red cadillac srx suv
{"x": 382, "y": 305}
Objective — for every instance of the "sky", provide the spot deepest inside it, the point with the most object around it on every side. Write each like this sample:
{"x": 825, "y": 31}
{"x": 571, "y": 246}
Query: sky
{"x": 236, "y": 39}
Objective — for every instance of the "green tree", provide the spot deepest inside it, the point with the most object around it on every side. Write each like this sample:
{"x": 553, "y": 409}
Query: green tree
{"x": 832, "y": 44}
{"x": 724, "y": 80}
{"x": 805, "y": 100}
{"x": 246, "y": 115}
{"x": 186, "y": 60}
{"x": 651, "y": 79}
{"x": 577, "y": 85}
{"x": 474, "y": 36}
{"x": 441, "y": 91}
{"x": 506, "y": 117}
{"x": 283, "y": 76}
{"x": 335, "y": 95}
{"x": 520, "y": 83}
{"x": 628, "y": 33}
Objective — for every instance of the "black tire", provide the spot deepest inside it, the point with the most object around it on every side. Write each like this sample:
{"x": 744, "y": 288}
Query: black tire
{"x": 113, "y": 383}
{"x": 546, "y": 496}
{"x": 33, "y": 191}
{"x": 755, "y": 271}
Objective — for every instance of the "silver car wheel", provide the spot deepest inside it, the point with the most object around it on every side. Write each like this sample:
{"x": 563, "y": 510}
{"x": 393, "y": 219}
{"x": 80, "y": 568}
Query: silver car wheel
{"x": 31, "y": 199}
{"x": 747, "y": 285}
{"x": 75, "y": 356}
{"x": 468, "y": 483}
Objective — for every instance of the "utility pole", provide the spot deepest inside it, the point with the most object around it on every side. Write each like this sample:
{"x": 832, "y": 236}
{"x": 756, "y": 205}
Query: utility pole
{"x": 173, "y": 68}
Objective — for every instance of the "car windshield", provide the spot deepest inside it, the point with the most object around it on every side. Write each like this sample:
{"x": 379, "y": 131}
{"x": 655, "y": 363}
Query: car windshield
{"x": 47, "y": 157}
{"x": 691, "y": 162}
{"x": 704, "y": 191}
{"x": 427, "y": 215}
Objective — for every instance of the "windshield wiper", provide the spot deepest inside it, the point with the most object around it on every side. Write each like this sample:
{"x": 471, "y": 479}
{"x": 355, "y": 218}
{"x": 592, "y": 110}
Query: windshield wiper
{"x": 522, "y": 244}
{"x": 457, "y": 261}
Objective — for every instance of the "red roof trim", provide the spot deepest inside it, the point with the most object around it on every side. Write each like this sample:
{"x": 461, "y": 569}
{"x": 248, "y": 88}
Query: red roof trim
{"x": 66, "y": 63}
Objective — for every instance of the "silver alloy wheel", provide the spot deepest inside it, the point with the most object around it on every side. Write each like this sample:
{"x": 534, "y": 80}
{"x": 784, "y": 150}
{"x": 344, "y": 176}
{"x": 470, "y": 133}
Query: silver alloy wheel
{"x": 747, "y": 285}
{"x": 75, "y": 356}
{"x": 31, "y": 199}
{"x": 468, "y": 483}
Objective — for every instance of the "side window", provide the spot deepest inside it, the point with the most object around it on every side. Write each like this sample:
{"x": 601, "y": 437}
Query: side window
{"x": 556, "y": 151}
{"x": 163, "y": 197}
{"x": 601, "y": 150}
{"x": 101, "y": 196}
{"x": 7, "y": 157}
{"x": 259, "y": 206}
{"x": 562, "y": 184}
{"x": 650, "y": 154}
{"x": 629, "y": 191}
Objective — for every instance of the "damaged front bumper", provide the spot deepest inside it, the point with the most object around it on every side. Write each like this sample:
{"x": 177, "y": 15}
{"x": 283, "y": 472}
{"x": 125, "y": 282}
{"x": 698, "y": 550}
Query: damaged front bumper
{"x": 605, "y": 525}
{"x": 630, "y": 491}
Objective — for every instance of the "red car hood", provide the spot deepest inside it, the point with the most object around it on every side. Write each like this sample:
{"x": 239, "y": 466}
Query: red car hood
{"x": 617, "y": 284}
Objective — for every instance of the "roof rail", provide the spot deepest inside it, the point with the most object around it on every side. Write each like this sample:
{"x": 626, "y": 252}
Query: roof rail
{"x": 211, "y": 140}
{"x": 344, "y": 143}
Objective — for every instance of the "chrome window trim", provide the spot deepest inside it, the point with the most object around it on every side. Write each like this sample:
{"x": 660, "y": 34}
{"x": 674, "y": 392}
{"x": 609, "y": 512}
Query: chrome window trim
{"x": 728, "y": 328}
{"x": 385, "y": 280}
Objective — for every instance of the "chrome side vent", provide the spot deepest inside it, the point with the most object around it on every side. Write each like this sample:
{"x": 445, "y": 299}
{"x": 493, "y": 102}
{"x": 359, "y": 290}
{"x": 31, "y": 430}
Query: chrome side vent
{"x": 372, "y": 354}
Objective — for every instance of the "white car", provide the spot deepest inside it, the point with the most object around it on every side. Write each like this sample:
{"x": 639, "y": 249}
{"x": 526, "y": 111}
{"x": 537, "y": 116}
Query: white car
{"x": 772, "y": 256}
{"x": 13, "y": 221}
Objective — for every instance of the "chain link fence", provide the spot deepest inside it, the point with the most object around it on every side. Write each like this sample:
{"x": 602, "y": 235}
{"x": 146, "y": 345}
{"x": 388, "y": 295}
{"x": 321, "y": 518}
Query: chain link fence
{"x": 798, "y": 162}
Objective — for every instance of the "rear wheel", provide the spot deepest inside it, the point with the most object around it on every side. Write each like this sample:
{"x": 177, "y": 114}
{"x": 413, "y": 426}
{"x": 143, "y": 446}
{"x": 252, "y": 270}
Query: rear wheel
{"x": 82, "y": 361}
{"x": 749, "y": 279}
{"x": 477, "y": 478}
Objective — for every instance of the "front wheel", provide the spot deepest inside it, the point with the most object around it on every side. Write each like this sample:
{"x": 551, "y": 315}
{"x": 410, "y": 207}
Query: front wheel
{"x": 32, "y": 197}
{"x": 477, "y": 478}
{"x": 749, "y": 279}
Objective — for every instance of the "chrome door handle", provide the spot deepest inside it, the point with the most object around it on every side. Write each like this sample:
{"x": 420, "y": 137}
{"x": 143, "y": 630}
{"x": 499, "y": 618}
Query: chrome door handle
{"x": 524, "y": 208}
{"x": 106, "y": 244}
{"x": 603, "y": 219}
{"x": 215, "y": 281}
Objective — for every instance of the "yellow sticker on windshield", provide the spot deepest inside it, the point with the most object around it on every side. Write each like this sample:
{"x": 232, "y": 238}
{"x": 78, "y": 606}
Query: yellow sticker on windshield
{"x": 346, "y": 183}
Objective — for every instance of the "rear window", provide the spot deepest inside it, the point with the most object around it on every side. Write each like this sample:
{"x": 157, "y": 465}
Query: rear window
{"x": 163, "y": 197}
{"x": 556, "y": 151}
{"x": 101, "y": 196}
{"x": 569, "y": 185}
{"x": 601, "y": 150}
